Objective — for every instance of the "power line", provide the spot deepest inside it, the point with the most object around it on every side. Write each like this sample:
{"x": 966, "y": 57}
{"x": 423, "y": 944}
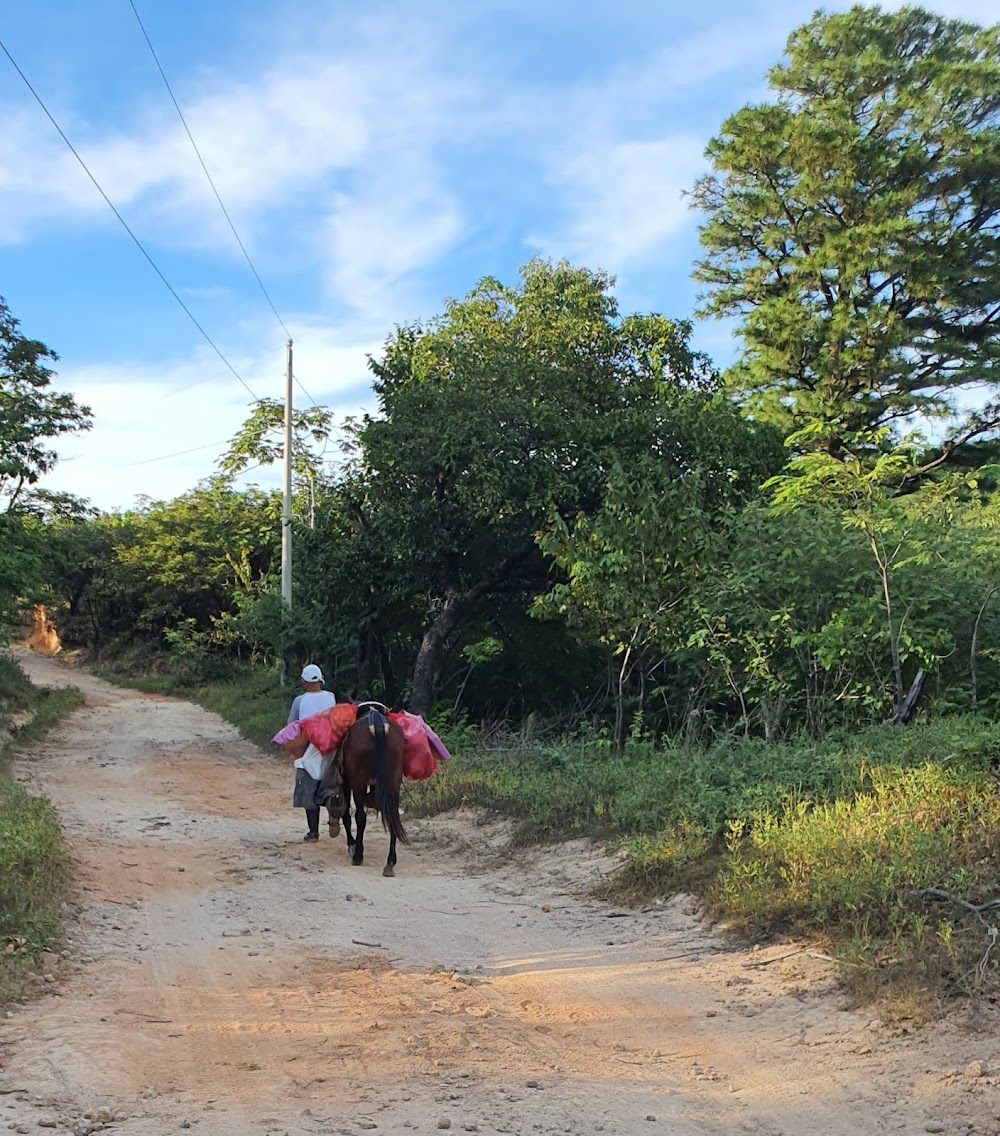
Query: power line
{"x": 201, "y": 161}
{"x": 248, "y": 469}
{"x": 111, "y": 206}
{"x": 179, "y": 454}
{"x": 211, "y": 182}
{"x": 306, "y": 393}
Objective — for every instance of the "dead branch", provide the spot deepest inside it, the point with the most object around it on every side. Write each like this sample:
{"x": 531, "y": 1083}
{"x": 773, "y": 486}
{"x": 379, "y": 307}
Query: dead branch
{"x": 774, "y": 958}
{"x": 908, "y": 708}
{"x": 975, "y": 909}
{"x": 977, "y": 972}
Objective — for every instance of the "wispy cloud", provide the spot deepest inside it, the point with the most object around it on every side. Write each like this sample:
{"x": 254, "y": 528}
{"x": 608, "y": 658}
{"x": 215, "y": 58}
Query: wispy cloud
{"x": 309, "y": 128}
{"x": 160, "y": 429}
{"x": 369, "y": 154}
{"x": 624, "y": 200}
{"x": 377, "y": 239}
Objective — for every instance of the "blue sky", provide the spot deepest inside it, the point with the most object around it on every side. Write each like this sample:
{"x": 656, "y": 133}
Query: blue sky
{"x": 377, "y": 158}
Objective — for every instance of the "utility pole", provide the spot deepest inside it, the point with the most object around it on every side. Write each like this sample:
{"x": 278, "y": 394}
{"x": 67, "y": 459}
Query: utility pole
{"x": 286, "y": 505}
{"x": 286, "y": 508}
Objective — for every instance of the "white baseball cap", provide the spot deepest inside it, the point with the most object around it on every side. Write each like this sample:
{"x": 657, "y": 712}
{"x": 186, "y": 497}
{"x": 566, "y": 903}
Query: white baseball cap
{"x": 312, "y": 673}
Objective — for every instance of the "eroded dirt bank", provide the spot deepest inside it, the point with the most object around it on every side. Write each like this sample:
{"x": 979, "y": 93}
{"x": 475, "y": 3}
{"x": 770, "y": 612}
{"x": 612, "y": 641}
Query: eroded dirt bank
{"x": 224, "y": 976}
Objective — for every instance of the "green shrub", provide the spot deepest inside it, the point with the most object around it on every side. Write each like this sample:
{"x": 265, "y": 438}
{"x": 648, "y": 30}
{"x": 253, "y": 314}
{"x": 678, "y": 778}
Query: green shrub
{"x": 33, "y": 860}
{"x": 848, "y": 871}
{"x": 16, "y": 691}
{"x": 33, "y": 869}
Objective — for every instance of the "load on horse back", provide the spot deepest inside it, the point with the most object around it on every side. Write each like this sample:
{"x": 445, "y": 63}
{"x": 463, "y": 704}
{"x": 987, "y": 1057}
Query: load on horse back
{"x": 369, "y": 761}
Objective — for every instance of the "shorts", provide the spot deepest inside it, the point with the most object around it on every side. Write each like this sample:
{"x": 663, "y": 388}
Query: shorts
{"x": 308, "y": 793}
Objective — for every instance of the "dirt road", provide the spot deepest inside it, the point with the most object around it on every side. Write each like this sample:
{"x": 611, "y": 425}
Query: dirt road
{"x": 223, "y": 976}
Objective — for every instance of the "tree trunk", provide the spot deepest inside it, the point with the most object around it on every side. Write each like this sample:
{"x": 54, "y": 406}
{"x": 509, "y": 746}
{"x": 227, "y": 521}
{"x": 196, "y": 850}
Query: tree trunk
{"x": 771, "y": 715}
{"x": 909, "y": 706}
{"x": 389, "y": 691}
{"x": 974, "y": 647}
{"x": 619, "y": 732}
{"x": 430, "y": 657}
{"x": 363, "y": 679}
{"x": 431, "y": 654}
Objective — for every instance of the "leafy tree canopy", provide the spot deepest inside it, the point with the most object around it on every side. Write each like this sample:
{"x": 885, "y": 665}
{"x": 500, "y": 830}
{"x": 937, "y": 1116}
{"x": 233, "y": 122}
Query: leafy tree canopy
{"x": 261, "y": 439}
{"x": 518, "y": 400}
{"x": 31, "y": 414}
{"x": 854, "y": 225}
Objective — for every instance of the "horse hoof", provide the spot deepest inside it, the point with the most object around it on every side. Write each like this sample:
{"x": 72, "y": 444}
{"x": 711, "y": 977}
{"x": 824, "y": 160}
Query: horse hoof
{"x": 357, "y": 861}
{"x": 388, "y": 870}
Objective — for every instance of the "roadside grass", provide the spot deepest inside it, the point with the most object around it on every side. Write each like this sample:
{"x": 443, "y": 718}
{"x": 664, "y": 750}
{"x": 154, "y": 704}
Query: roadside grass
{"x": 852, "y": 870}
{"x": 34, "y": 864}
{"x": 826, "y": 840}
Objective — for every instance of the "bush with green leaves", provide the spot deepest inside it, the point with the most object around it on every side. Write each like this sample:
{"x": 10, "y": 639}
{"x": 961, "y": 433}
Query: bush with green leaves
{"x": 33, "y": 857}
{"x": 33, "y": 871}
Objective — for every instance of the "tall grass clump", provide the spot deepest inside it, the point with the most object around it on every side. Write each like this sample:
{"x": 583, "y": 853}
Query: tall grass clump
{"x": 33, "y": 872}
{"x": 33, "y": 858}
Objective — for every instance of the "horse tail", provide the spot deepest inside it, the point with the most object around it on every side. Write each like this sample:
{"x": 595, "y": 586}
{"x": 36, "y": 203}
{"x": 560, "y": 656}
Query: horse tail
{"x": 386, "y": 796}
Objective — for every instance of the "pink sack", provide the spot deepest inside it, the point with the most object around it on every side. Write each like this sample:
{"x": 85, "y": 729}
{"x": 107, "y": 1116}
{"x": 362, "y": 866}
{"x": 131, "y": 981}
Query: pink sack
{"x": 288, "y": 734}
{"x": 418, "y": 760}
{"x": 326, "y": 728}
{"x": 437, "y": 746}
{"x": 319, "y": 730}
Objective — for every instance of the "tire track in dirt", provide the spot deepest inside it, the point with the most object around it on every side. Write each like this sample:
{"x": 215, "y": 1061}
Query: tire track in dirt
{"x": 218, "y": 981}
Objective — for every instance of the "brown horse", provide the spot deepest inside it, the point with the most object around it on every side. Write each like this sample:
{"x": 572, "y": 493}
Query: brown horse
{"x": 370, "y": 755}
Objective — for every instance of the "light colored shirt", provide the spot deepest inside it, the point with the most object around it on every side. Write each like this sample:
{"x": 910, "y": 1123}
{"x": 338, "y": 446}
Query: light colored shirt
{"x": 312, "y": 702}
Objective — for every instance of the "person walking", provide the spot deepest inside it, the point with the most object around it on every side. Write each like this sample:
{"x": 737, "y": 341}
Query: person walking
{"x": 309, "y": 767}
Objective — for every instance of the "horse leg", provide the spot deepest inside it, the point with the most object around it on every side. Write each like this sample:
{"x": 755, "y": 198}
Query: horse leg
{"x": 346, "y": 818}
{"x": 390, "y": 864}
{"x": 359, "y": 811}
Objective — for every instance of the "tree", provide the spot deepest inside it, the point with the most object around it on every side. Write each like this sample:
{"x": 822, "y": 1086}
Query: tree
{"x": 899, "y": 529}
{"x": 762, "y": 618}
{"x": 517, "y": 401}
{"x": 179, "y": 571}
{"x": 30, "y": 414}
{"x": 629, "y": 568}
{"x": 854, "y": 227}
{"x": 201, "y": 551}
{"x": 261, "y": 439}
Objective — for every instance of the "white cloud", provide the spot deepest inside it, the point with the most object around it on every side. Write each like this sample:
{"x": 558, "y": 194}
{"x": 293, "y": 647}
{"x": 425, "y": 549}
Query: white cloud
{"x": 354, "y": 135}
{"x": 332, "y": 364}
{"x": 290, "y": 134}
{"x": 39, "y": 178}
{"x": 181, "y": 415}
{"x": 397, "y": 226}
{"x": 624, "y": 200}
{"x": 356, "y": 156}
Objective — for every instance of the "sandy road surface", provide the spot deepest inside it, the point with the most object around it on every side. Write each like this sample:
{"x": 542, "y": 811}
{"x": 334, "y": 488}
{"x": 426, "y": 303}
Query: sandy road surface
{"x": 225, "y": 977}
